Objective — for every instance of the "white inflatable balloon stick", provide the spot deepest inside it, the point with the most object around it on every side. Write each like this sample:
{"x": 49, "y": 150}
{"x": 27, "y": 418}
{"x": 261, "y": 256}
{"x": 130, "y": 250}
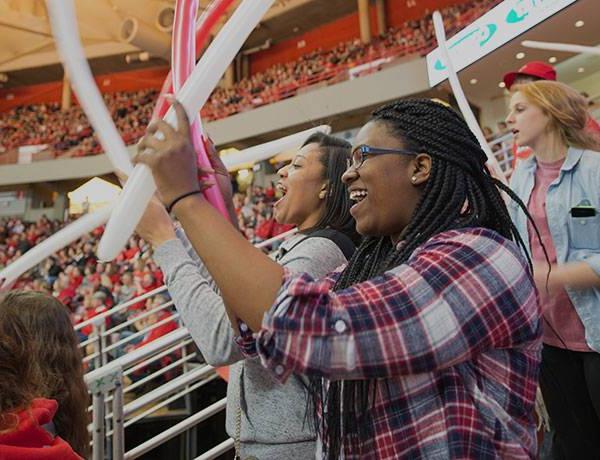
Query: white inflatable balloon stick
{"x": 564, "y": 47}
{"x": 461, "y": 99}
{"x": 269, "y": 149}
{"x": 52, "y": 244}
{"x": 140, "y": 187}
{"x": 68, "y": 44}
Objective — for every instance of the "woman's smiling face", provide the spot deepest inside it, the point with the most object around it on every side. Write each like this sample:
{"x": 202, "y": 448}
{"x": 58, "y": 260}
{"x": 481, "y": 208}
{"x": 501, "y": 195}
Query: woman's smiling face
{"x": 301, "y": 183}
{"x": 385, "y": 188}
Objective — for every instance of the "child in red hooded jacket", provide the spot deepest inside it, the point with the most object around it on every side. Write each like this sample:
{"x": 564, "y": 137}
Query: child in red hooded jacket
{"x": 43, "y": 398}
{"x": 33, "y": 436}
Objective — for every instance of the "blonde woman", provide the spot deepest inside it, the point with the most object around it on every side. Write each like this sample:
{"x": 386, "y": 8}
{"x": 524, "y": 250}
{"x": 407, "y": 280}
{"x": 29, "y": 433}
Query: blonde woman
{"x": 560, "y": 184}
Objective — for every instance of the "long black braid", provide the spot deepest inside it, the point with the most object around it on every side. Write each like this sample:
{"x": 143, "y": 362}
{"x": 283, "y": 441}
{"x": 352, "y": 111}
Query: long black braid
{"x": 458, "y": 176}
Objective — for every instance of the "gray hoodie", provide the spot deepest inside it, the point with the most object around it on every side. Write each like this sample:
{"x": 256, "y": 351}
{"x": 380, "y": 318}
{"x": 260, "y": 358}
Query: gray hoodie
{"x": 275, "y": 423}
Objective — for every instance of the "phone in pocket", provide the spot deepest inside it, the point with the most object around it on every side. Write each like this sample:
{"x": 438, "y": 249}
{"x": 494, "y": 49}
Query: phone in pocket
{"x": 583, "y": 211}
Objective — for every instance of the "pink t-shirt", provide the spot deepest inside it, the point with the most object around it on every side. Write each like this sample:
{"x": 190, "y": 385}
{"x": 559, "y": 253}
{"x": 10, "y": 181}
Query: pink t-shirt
{"x": 559, "y": 313}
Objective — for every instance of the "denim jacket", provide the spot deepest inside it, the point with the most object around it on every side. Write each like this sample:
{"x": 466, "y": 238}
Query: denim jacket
{"x": 576, "y": 239}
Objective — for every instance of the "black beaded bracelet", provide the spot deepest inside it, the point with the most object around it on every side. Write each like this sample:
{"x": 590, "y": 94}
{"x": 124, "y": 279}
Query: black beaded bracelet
{"x": 181, "y": 197}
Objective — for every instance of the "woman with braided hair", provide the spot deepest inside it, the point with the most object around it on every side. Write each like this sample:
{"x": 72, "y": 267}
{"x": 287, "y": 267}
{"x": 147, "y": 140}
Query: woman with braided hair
{"x": 427, "y": 343}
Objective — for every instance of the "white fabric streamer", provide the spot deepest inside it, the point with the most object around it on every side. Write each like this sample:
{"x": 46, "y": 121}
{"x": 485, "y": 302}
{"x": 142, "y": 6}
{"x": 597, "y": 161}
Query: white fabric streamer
{"x": 269, "y": 149}
{"x": 53, "y": 244}
{"x": 565, "y": 47}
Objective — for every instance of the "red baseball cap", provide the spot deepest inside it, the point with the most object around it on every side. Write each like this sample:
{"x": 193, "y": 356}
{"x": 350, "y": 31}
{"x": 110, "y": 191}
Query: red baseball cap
{"x": 538, "y": 69}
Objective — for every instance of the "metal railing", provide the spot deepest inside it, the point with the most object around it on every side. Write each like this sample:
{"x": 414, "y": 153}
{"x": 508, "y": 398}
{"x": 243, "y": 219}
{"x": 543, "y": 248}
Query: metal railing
{"x": 503, "y": 150}
{"x": 108, "y": 387}
{"x": 103, "y": 342}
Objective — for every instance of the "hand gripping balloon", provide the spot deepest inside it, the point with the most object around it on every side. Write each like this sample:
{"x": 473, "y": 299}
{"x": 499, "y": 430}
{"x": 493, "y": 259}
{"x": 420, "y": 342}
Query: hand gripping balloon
{"x": 183, "y": 59}
{"x": 182, "y": 62}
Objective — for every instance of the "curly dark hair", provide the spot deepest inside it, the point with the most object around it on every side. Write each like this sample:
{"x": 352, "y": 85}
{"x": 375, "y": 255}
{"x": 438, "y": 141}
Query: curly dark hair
{"x": 40, "y": 358}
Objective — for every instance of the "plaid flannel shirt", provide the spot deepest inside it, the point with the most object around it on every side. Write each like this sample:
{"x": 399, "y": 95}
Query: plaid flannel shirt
{"x": 454, "y": 335}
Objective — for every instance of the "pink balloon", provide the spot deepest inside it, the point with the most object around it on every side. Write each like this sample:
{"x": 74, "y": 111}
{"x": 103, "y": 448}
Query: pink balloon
{"x": 207, "y": 22}
{"x": 183, "y": 61}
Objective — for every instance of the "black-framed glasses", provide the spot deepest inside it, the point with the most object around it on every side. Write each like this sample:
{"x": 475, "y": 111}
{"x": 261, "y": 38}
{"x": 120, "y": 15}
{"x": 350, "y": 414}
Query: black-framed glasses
{"x": 360, "y": 154}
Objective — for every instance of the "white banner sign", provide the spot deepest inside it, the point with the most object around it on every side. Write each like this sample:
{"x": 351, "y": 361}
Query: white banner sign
{"x": 498, "y": 26}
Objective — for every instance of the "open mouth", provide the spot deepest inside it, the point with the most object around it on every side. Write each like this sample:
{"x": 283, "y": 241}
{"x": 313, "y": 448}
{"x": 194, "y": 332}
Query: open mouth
{"x": 515, "y": 132}
{"x": 358, "y": 195}
{"x": 283, "y": 190}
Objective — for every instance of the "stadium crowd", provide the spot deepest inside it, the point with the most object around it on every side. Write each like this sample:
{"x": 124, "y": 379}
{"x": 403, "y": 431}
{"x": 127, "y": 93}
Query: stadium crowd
{"x": 87, "y": 286}
{"x": 69, "y": 134}
{"x": 284, "y": 79}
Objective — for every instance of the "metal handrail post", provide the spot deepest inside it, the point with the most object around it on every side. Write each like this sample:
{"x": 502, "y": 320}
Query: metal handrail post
{"x": 118, "y": 438}
{"x": 97, "y": 345}
{"x": 98, "y": 426}
{"x": 103, "y": 381}
{"x": 102, "y": 337}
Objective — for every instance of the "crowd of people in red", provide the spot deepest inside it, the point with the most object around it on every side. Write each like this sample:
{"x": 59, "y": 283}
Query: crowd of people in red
{"x": 74, "y": 275}
{"x": 68, "y": 133}
{"x": 89, "y": 287}
{"x": 255, "y": 214}
{"x": 415, "y": 37}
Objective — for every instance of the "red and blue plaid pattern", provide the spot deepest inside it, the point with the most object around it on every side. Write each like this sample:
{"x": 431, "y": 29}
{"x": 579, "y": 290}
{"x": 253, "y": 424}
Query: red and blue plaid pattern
{"x": 454, "y": 335}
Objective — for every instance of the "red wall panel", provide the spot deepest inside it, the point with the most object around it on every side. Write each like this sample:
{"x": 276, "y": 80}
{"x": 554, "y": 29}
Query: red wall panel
{"x": 342, "y": 29}
{"x": 397, "y": 12}
{"x": 51, "y": 92}
{"x": 327, "y": 36}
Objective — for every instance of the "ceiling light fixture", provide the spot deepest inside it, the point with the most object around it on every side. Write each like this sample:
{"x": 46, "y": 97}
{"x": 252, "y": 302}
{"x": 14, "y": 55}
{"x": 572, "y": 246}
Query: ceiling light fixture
{"x": 579, "y": 24}
{"x": 552, "y": 60}
{"x": 520, "y": 55}
{"x": 502, "y": 84}
{"x": 473, "y": 81}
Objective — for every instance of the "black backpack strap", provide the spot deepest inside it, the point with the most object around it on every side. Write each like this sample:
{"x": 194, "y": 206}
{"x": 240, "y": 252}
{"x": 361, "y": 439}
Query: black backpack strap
{"x": 341, "y": 240}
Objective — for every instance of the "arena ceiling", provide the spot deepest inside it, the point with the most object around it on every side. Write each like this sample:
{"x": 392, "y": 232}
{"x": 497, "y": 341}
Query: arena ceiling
{"x": 488, "y": 72}
{"x": 27, "y": 52}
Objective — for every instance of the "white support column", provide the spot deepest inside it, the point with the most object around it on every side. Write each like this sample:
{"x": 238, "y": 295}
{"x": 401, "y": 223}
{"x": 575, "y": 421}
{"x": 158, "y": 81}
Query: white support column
{"x": 66, "y": 98}
{"x": 364, "y": 21}
{"x": 381, "y": 17}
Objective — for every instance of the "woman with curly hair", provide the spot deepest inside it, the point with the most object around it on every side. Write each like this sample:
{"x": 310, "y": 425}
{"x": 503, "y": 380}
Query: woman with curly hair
{"x": 43, "y": 398}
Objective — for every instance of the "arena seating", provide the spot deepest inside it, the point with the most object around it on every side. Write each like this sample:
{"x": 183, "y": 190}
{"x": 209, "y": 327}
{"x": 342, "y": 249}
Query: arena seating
{"x": 67, "y": 134}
